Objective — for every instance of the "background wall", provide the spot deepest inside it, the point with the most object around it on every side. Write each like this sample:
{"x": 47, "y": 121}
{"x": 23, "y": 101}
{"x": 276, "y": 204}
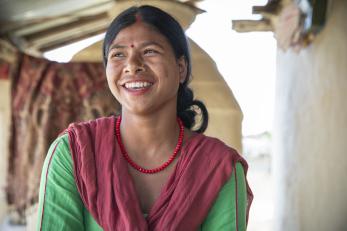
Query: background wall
{"x": 4, "y": 138}
{"x": 310, "y": 152}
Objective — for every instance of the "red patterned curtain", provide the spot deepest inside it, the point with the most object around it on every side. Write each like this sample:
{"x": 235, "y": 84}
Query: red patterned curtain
{"x": 46, "y": 97}
{"x": 8, "y": 56}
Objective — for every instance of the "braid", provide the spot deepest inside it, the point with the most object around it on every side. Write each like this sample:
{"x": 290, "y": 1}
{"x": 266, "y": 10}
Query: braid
{"x": 186, "y": 109}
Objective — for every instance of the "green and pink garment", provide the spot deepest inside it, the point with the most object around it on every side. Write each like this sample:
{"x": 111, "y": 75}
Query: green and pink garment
{"x": 85, "y": 185}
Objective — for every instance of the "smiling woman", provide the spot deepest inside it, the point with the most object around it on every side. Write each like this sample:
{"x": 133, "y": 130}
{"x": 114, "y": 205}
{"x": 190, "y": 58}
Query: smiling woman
{"x": 143, "y": 72}
{"x": 147, "y": 168}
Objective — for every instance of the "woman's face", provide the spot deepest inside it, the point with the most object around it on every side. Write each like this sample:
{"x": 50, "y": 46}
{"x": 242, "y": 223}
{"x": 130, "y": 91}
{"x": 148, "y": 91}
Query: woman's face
{"x": 142, "y": 71}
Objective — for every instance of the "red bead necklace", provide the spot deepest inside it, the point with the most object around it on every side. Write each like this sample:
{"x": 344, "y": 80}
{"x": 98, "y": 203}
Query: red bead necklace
{"x": 138, "y": 167}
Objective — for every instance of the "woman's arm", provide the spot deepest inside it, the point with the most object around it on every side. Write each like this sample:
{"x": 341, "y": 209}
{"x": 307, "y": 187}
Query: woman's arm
{"x": 60, "y": 206}
{"x": 229, "y": 209}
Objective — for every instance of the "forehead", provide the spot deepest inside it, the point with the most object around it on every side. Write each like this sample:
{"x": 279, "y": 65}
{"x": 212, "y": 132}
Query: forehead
{"x": 139, "y": 32}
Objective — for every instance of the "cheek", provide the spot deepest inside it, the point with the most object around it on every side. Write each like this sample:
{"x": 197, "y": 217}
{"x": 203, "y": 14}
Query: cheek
{"x": 112, "y": 71}
{"x": 164, "y": 69}
{"x": 108, "y": 73}
{"x": 112, "y": 78}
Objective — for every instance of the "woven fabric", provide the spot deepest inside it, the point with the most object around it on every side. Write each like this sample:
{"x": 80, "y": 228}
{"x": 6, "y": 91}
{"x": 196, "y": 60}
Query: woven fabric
{"x": 47, "y": 97}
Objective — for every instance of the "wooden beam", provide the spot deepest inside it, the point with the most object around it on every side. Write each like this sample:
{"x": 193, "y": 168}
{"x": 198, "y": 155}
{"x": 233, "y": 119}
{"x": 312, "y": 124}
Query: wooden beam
{"x": 77, "y": 23}
{"x": 252, "y": 25}
{"x": 69, "y": 40}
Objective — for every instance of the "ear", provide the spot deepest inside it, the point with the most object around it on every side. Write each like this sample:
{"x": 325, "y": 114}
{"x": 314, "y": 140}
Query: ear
{"x": 182, "y": 68}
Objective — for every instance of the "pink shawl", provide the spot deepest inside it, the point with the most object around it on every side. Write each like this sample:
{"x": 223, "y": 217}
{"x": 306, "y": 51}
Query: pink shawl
{"x": 107, "y": 190}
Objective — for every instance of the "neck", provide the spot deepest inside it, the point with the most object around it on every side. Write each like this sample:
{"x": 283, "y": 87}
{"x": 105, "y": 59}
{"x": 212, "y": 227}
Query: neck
{"x": 150, "y": 135}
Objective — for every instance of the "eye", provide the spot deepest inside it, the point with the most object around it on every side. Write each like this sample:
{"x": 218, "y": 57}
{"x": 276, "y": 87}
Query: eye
{"x": 117, "y": 55}
{"x": 150, "y": 52}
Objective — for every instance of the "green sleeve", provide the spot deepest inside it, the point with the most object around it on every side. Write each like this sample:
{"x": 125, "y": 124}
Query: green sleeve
{"x": 222, "y": 215}
{"x": 60, "y": 205}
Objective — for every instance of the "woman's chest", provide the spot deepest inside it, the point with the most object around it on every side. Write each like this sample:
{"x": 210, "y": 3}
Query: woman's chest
{"x": 149, "y": 187}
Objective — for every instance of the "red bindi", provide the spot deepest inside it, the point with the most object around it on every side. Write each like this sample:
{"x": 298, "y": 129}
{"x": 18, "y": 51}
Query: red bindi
{"x": 132, "y": 45}
{"x": 138, "y": 18}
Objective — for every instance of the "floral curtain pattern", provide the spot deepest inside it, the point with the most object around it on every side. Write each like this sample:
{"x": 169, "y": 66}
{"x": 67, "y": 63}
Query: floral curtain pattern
{"x": 47, "y": 97}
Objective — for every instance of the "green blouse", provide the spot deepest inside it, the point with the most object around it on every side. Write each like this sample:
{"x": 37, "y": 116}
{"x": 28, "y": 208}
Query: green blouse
{"x": 61, "y": 208}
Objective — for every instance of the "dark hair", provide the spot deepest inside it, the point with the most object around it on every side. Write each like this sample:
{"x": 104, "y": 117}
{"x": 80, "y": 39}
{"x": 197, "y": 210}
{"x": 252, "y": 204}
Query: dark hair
{"x": 171, "y": 29}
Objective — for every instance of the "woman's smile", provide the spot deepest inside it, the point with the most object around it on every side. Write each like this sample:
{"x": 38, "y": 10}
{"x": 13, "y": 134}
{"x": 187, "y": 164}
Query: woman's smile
{"x": 137, "y": 87}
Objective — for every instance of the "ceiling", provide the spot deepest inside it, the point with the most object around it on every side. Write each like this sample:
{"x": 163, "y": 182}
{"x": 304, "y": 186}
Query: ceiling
{"x": 37, "y": 26}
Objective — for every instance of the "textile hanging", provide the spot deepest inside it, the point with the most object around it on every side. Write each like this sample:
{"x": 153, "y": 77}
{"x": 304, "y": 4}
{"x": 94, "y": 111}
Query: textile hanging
{"x": 8, "y": 56}
{"x": 47, "y": 97}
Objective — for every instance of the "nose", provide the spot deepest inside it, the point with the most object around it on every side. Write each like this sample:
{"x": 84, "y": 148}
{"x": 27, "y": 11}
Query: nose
{"x": 134, "y": 64}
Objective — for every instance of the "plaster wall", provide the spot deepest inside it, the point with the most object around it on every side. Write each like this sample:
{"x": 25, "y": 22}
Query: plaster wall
{"x": 310, "y": 135}
{"x": 4, "y": 139}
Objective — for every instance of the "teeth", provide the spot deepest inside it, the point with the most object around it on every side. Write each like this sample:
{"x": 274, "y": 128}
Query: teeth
{"x": 136, "y": 85}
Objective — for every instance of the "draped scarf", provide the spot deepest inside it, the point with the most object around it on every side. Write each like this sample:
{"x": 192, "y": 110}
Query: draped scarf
{"x": 108, "y": 192}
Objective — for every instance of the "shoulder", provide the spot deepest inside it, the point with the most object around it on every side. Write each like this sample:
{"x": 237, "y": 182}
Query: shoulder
{"x": 92, "y": 131}
{"x": 210, "y": 145}
{"x": 102, "y": 121}
{"x": 59, "y": 145}
{"x": 58, "y": 158}
{"x": 213, "y": 151}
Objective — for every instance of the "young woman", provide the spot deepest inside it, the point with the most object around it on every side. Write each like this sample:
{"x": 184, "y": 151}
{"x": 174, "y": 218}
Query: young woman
{"x": 146, "y": 169}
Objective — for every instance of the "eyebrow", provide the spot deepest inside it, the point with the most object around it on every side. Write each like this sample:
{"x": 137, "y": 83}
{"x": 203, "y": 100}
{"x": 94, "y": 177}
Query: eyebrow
{"x": 144, "y": 44}
{"x": 116, "y": 46}
{"x": 148, "y": 43}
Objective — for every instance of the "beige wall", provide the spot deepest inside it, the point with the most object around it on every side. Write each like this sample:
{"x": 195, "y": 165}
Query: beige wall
{"x": 225, "y": 116}
{"x": 4, "y": 137}
{"x": 310, "y": 152}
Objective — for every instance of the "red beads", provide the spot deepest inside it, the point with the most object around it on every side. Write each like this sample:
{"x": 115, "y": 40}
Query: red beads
{"x": 144, "y": 170}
